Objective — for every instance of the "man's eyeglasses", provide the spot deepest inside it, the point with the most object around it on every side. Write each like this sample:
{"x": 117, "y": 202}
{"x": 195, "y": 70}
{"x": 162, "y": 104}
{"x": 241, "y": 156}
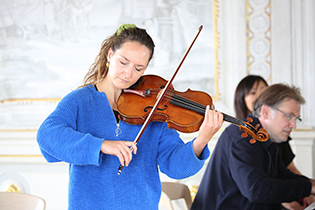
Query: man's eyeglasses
{"x": 289, "y": 116}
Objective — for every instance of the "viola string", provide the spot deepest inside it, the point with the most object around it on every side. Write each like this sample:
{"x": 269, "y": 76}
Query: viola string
{"x": 199, "y": 108}
{"x": 178, "y": 100}
{"x": 194, "y": 106}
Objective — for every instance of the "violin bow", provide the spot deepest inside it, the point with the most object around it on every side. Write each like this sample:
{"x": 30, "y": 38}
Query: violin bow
{"x": 160, "y": 97}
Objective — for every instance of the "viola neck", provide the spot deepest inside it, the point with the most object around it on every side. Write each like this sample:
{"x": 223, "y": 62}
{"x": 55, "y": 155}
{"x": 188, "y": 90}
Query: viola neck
{"x": 201, "y": 109}
{"x": 233, "y": 120}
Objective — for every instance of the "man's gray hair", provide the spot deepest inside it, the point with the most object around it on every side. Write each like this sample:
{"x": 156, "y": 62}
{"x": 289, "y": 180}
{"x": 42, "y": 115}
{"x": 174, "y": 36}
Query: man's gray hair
{"x": 275, "y": 94}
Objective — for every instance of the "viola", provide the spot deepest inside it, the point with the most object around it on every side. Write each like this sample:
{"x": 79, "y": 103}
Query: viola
{"x": 161, "y": 96}
{"x": 127, "y": 106}
{"x": 182, "y": 111}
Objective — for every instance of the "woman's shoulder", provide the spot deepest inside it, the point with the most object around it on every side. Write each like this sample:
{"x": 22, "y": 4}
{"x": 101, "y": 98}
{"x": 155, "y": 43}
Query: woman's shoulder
{"x": 86, "y": 90}
{"x": 79, "y": 94}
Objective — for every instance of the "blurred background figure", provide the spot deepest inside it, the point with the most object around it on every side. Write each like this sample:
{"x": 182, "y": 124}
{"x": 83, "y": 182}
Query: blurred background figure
{"x": 246, "y": 93}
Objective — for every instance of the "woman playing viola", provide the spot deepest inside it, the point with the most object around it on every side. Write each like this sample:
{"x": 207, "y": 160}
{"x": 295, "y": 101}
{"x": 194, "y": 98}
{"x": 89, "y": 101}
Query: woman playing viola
{"x": 85, "y": 131}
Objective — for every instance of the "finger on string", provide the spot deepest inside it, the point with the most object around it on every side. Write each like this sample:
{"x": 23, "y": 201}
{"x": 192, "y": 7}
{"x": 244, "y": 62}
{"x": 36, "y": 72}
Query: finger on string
{"x": 207, "y": 109}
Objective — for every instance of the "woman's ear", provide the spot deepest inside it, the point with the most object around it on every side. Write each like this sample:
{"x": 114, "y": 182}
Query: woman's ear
{"x": 109, "y": 54}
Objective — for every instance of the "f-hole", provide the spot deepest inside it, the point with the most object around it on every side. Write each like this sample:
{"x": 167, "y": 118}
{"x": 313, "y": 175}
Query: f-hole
{"x": 146, "y": 109}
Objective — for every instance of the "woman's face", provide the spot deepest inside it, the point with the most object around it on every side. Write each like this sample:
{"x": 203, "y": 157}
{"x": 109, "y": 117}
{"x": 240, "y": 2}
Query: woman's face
{"x": 257, "y": 88}
{"x": 127, "y": 64}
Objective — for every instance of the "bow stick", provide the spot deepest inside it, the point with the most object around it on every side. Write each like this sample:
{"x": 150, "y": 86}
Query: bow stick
{"x": 161, "y": 96}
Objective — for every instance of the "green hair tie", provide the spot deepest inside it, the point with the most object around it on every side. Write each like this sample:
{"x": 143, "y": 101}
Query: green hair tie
{"x": 124, "y": 27}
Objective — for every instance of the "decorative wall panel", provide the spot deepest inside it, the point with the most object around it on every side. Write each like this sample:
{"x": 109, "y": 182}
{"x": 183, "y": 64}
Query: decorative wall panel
{"x": 259, "y": 40}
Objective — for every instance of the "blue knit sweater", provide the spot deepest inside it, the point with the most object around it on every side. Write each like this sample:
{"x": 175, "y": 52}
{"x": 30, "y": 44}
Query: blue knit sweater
{"x": 74, "y": 133}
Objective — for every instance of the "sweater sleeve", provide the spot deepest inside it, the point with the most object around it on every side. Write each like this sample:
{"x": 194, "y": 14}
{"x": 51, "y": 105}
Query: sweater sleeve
{"x": 59, "y": 139}
{"x": 247, "y": 170}
{"x": 176, "y": 158}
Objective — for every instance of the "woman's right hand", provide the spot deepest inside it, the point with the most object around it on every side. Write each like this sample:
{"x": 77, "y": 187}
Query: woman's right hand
{"x": 120, "y": 149}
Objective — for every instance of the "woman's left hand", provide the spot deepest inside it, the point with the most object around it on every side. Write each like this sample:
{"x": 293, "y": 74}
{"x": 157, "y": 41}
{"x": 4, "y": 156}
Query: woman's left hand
{"x": 211, "y": 124}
